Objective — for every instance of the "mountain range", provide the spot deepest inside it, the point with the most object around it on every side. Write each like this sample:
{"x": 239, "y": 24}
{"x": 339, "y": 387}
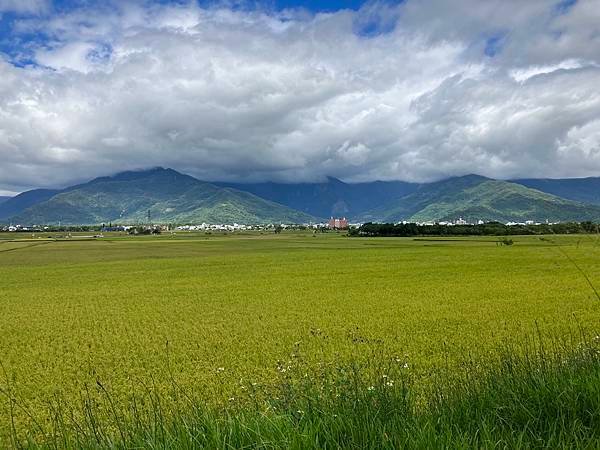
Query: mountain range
{"x": 330, "y": 198}
{"x": 474, "y": 197}
{"x": 168, "y": 196}
{"x": 164, "y": 195}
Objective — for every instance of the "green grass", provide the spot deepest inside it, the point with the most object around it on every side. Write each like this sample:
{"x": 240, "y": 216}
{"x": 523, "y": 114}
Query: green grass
{"x": 526, "y": 396}
{"x": 212, "y": 314}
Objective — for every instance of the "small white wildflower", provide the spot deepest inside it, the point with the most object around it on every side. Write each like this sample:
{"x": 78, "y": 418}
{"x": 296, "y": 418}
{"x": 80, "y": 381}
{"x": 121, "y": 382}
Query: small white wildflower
{"x": 389, "y": 383}
{"x": 405, "y": 365}
{"x": 371, "y": 388}
{"x": 300, "y": 411}
{"x": 231, "y": 399}
{"x": 221, "y": 369}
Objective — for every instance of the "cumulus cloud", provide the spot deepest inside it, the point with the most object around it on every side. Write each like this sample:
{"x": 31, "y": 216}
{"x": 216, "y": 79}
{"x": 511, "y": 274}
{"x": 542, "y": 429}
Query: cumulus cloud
{"x": 417, "y": 91}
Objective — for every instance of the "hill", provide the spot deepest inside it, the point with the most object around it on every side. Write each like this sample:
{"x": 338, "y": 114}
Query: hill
{"x": 330, "y": 198}
{"x": 3, "y": 198}
{"x": 585, "y": 190}
{"x": 478, "y": 198}
{"x": 19, "y": 203}
{"x": 167, "y": 195}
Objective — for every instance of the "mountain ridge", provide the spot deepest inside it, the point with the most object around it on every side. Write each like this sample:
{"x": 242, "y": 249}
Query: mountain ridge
{"x": 480, "y": 198}
{"x": 164, "y": 194}
{"x": 171, "y": 196}
{"x": 330, "y": 198}
{"x": 15, "y": 205}
{"x": 585, "y": 190}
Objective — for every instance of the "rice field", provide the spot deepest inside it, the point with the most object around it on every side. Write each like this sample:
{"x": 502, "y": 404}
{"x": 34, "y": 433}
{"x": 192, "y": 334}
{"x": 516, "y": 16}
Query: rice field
{"x": 216, "y": 314}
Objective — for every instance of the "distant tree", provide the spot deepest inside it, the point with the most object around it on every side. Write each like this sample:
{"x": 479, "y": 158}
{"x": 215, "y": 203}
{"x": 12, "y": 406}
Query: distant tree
{"x": 487, "y": 229}
{"x": 353, "y": 231}
{"x": 589, "y": 227}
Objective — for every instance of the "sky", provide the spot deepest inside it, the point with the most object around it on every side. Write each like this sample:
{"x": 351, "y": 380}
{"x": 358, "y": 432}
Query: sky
{"x": 298, "y": 90}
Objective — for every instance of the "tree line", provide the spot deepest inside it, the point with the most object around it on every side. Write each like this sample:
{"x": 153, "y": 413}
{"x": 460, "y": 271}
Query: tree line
{"x": 486, "y": 229}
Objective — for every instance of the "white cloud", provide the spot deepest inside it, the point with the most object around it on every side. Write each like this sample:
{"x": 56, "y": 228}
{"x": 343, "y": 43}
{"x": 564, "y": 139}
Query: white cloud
{"x": 73, "y": 55}
{"x": 531, "y": 71}
{"x": 228, "y": 94}
{"x": 25, "y": 6}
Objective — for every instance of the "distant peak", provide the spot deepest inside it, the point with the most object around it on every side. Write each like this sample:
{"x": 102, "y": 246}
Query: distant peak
{"x": 474, "y": 177}
{"x": 152, "y": 170}
{"x": 129, "y": 175}
{"x": 471, "y": 179}
{"x": 145, "y": 172}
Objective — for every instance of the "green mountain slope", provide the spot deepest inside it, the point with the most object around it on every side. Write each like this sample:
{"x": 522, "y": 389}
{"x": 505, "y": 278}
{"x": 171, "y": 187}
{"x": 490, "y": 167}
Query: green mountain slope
{"x": 19, "y": 203}
{"x": 579, "y": 189}
{"x": 168, "y": 195}
{"x": 478, "y": 198}
{"x": 330, "y": 198}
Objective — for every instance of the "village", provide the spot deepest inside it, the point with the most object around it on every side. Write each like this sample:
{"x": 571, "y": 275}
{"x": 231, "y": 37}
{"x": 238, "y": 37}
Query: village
{"x": 334, "y": 223}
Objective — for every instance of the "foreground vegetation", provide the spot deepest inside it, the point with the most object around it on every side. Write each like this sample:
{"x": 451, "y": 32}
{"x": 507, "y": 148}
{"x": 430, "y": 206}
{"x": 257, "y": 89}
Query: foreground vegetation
{"x": 527, "y": 396}
{"x": 277, "y": 340}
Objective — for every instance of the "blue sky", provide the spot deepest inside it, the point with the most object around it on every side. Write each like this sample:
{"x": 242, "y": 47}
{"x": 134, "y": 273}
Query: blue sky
{"x": 313, "y": 5}
{"x": 16, "y": 46}
{"x": 316, "y": 5}
{"x": 64, "y": 6}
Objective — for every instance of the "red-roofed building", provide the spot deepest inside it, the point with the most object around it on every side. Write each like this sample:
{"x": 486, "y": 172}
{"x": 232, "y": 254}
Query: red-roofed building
{"x": 338, "y": 224}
